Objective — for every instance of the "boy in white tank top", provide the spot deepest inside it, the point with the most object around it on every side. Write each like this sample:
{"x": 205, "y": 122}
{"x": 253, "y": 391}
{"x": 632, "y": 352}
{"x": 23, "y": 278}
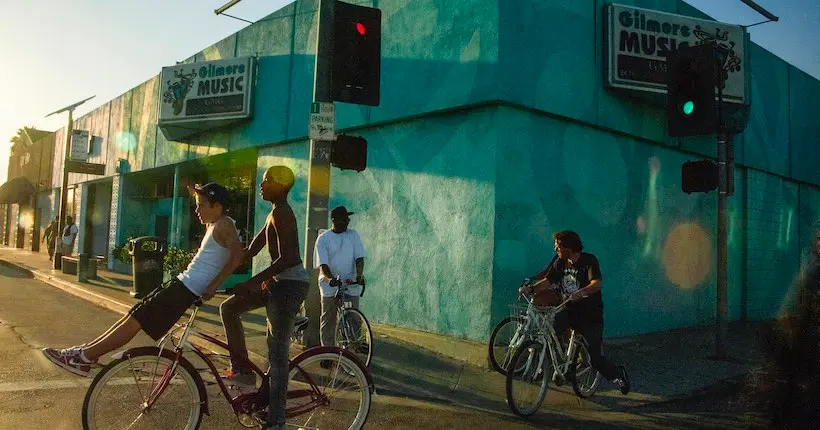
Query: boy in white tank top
{"x": 219, "y": 255}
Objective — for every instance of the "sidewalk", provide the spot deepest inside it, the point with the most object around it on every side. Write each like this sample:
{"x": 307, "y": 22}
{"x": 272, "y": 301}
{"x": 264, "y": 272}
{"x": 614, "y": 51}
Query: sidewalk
{"x": 663, "y": 366}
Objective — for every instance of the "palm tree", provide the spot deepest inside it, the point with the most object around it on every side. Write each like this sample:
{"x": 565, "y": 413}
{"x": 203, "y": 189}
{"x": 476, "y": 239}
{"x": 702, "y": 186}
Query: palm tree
{"x": 26, "y": 136}
{"x": 21, "y": 139}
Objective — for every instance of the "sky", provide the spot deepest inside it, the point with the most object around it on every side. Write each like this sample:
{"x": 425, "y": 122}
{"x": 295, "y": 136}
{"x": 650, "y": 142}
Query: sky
{"x": 56, "y": 53}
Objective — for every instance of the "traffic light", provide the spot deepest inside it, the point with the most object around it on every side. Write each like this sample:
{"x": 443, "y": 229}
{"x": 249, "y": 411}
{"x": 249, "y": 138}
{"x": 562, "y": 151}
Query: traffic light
{"x": 691, "y": 109}
{"x": 356, "y": 54}
{"x": 349, "y": 153}
{"x": 699, "y": 176}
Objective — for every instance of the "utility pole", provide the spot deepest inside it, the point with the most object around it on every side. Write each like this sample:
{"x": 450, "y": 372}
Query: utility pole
{"x": 58, "y": 252}
{"x": 725, "y": 169}
{"x": 319, "y": 170}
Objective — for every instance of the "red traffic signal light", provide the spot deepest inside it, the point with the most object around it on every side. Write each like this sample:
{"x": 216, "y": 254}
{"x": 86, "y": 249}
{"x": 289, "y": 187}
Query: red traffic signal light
{"x": 349, "y": 153}
{"x": 356, "y": 66}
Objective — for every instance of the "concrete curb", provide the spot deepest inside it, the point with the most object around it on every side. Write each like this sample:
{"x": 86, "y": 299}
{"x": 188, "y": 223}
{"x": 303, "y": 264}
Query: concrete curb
{"x": 470, "y": 352}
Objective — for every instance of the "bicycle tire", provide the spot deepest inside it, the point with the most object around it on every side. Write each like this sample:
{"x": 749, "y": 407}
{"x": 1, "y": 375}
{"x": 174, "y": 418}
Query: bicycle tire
{"x": 129, "y": 367}
{"x": 583, "y": 386}
{"x": 344, "y": 342}
{"x": 500, "y": 366}
{"x": 528, "y": 374}
{"x": 304, "y": 378}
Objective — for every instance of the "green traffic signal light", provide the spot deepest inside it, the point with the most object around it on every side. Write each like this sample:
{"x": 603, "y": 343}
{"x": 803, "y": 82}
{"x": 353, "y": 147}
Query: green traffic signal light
{"x": 688, "y": 107}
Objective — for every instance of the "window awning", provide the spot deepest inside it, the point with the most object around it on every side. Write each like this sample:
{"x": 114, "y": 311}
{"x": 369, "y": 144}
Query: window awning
{"x": 17, "y": 190}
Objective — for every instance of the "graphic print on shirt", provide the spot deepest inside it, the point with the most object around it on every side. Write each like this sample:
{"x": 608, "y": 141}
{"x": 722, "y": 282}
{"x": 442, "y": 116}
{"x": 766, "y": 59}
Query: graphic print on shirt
{"x": 570, "y": 280}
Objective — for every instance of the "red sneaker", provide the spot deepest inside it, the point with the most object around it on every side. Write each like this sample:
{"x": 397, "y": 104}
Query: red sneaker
{"x": 69, "y": 359}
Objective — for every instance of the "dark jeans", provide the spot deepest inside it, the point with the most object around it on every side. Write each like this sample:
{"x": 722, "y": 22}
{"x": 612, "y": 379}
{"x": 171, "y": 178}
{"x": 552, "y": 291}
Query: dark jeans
{"x": 282, "y": 304}
{"x": 593, "y": 331}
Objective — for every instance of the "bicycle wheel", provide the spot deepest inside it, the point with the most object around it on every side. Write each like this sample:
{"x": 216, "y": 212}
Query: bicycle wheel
{"x": 531, "y": 371}
{"x": 117, "y": 397}
{"x": 354, "y": 335}
{"x": 585, "y": 379}
{"x": 505, "y": 338}
{"x": 327, "y": 391}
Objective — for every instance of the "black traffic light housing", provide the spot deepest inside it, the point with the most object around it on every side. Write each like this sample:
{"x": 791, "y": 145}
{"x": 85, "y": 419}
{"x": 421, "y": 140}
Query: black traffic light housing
{"x": 699, "y": 176}
{"x": 692, "y": 76}
{"x": 349, "y": 153}
{"x": 356, "y": 62}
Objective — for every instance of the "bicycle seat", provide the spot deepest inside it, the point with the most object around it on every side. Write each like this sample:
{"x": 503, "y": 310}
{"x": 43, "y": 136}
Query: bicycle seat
{"x": 301, "y": 323}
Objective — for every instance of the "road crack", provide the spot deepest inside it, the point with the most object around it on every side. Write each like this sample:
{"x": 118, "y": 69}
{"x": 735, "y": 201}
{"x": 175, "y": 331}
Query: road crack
{"x": 19, "y": 335}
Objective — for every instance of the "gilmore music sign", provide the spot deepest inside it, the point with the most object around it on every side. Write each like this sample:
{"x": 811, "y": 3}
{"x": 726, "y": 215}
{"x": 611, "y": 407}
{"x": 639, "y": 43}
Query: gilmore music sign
{"x": 639, "y": 41}
{"x": 199, "y": 96}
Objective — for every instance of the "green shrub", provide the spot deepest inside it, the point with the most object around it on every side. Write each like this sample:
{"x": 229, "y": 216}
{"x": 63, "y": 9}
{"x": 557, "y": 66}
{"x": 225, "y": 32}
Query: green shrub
{"x": 176, "y": 260}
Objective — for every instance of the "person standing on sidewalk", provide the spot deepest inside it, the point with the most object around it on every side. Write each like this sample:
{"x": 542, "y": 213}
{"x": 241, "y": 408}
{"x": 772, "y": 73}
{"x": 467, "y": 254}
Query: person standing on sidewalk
{"x": 281, "y": 288}
{"x": 338, "y": 252}
{"x": 219, "y": 255}
{"x": 69, "y": 236}
{"x": 578, "y": 274}
{"x": 49, "y": 236}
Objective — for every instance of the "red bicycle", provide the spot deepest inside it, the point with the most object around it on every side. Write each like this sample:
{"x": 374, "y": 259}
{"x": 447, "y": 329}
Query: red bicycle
{"x": 158, "y": 388}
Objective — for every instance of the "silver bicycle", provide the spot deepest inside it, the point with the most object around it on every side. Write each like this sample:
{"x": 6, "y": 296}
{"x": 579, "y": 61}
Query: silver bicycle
{"x": 353, "y": 332}
{"x": 541, "y": 357}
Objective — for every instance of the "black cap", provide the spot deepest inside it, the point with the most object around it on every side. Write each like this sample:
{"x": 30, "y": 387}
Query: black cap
{"x": 340, "y": 212}
{"x": 214, "y": 192}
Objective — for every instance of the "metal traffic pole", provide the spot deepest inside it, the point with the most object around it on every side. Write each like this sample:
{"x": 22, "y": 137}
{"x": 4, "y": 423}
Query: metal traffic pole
{"x": 722, "y": 302}
{"x": 319, "y": 171}
{"x": 58, "y": 252}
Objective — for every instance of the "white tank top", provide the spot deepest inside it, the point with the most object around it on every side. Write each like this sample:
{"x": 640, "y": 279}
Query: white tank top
{"x": 207, "y": 263}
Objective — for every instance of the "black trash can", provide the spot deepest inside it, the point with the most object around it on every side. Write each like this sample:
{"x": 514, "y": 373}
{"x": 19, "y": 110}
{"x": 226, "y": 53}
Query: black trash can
{"x": 147, "y": 257}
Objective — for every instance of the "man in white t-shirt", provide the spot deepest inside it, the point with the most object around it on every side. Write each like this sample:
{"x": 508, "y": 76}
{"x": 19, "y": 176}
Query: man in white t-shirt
{"x": 69, "y": 236}
{"x": 339, "y": 253}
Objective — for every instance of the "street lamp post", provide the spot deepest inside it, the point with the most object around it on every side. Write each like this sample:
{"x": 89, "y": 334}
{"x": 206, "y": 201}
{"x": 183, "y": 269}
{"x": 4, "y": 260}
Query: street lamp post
{"x": 58, "y": 254}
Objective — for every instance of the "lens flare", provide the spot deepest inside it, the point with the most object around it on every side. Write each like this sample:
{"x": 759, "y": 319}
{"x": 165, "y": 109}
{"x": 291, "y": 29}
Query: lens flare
{"x": 687, "y": 255}
{"x": 125, "y": 141}
{"x": 26, "y": 220}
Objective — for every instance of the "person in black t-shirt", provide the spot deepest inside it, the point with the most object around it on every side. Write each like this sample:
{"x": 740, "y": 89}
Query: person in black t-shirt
{"x": 578, "y": 275}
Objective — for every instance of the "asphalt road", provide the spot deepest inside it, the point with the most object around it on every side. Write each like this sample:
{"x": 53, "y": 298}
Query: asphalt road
{"x": 36, "y": 394}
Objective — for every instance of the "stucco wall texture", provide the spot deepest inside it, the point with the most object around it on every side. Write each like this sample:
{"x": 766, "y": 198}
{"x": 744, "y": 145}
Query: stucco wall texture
{"x": 494, "y": 130}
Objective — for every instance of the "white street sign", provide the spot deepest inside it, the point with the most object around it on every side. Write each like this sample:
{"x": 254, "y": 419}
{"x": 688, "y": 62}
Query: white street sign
{"x": 322, "y": 124}
{"x": 79, "y": 145}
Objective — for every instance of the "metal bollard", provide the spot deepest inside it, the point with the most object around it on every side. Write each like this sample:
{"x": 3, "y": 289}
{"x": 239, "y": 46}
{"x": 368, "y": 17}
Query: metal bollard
{"x": 82, "y": 267}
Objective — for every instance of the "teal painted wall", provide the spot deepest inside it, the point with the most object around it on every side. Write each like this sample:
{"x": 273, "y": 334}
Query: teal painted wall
{"x": 766, "y": 138}
{"x": 809, "y": 218}
{"x": 656, "y": 245}
{"x": 425, "y": 208}
{"x": 459, "y": 201}
{"x": 804, "y": 136}
{"x": 773, "y": 254}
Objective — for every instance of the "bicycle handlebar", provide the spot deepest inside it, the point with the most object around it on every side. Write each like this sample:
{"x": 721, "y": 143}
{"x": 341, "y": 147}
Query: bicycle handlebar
{"x": 347, "y": 284}
{"x": 530, "y": 298}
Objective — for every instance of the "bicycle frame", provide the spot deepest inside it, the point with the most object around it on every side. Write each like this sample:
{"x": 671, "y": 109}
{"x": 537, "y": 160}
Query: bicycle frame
{"x": 343, "y": 297}
{"x": 237, "y": 403}
{"x": 539, "y": 322}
